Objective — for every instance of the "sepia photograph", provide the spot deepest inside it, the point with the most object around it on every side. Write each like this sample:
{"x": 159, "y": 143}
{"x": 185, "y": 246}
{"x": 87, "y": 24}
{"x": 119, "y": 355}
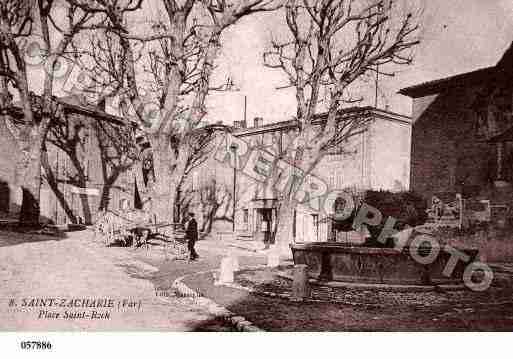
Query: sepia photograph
{"x": 255, "y": 166}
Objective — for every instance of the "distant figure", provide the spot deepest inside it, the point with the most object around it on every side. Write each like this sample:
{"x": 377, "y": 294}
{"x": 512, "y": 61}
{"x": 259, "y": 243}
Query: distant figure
{"x": 191, "y": 234}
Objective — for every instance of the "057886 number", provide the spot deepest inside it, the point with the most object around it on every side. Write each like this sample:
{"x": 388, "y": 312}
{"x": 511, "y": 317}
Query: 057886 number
{"x": 35, "y": 345}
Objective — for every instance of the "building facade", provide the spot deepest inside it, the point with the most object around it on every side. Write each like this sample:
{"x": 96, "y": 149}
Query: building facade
{"x": 462, "y": 134}
{"x": 89, "y": 163}
{"x": 376, "y": 158}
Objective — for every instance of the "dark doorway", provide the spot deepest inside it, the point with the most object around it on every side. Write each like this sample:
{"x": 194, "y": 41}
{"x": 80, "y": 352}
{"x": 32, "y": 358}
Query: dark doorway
{"x": 5, "y": 197}
{"x": 265, "y": 225}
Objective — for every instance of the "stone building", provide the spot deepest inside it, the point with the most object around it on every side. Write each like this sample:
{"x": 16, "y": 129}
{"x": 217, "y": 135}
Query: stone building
{"x": 462, "y": 134}
{"x": 377, "y": 158}
{"x": 91, "y": 165}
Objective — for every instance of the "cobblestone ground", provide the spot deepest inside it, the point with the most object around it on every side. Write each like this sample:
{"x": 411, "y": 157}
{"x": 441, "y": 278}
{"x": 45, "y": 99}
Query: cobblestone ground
{"x": 75, "y": 268}
{"x": 344, "y": 309}
{"x": 211, "y": 253}
{"x": 500, "y": 293}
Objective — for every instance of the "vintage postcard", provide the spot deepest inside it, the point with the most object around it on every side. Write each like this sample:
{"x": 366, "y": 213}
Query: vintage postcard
{"x": 255, "y": 166}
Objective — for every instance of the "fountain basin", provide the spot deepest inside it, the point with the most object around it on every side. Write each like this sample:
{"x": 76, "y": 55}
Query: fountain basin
{"x": 328, "y": 261}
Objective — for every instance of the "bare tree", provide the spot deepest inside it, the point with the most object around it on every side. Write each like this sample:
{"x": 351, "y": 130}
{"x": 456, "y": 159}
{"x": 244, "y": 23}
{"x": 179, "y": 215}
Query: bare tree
{"x": 213, "y": 202}
{"x": 67, "y": 137}
{"x": 20, "y": 20}
{"x": 16, "y": 23}
{"x": 181, "y": 50}
{"x": 118, "y": 154}
{"x": 332, "y": 44}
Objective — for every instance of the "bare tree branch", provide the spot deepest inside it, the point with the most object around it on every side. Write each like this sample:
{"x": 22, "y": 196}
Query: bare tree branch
{"x": 176, "y": 65}
{"x": 332, "y": 44}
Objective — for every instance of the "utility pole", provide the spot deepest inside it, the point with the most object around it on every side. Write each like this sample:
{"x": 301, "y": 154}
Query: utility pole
{"x": 377, "y": 84}
{"x": 245, "y": 107}
{"x": 233, "y": 147}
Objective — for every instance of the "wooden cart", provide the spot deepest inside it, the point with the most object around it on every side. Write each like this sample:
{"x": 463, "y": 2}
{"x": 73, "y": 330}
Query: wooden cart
{"x": 136, "y": 228}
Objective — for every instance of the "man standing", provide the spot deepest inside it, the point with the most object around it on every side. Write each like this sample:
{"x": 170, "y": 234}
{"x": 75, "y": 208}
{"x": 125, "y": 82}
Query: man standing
{"x": 191, "y": 234}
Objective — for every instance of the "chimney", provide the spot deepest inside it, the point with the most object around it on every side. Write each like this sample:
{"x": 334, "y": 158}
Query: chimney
{"x": 258, "y": 122}
{"x": 239, "y": 124}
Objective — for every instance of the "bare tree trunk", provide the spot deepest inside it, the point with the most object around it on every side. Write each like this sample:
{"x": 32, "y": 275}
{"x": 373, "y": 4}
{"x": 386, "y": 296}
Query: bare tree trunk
{"x": 52, "y": 182}
{"x": 105, "y": 199}
{"x": 31, "y": 186}
{"x": 169, "y": 170}
{"x": 285, "y": 227}
{"x": 105, "y": 196}
{"x": 209, "y": 218}
{"x": 163, "y": 160}
{"x": 82, "y": 183}
{"x": 29, "y": 174}
{"x": 285, "y": 213}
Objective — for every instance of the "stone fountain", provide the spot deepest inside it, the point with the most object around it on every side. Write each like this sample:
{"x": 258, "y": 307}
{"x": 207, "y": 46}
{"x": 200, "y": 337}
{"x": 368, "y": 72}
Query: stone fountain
{"x": 343, "y": 262}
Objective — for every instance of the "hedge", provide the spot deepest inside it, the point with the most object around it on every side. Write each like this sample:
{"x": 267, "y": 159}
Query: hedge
{"x": 408, "y": 208}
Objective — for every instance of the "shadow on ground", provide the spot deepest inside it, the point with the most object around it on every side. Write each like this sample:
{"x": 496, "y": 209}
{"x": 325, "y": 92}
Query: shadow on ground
{"x": 354, "y": 309}
{"x": 12, "y": 236}
{"x": 368, "y": 310}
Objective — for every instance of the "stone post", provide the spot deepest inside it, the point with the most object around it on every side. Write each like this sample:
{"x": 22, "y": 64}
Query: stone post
{"x": 226, "y": 271}
{"x": 235, "y": 262}
{"x": 229, "y": 265}
{"x": 300, "y": 284}
{"x": 273, "y": 258}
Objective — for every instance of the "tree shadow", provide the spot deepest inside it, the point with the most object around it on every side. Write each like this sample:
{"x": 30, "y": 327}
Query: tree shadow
{"x": 69, "y": 138}
{"x": 12, "y": 232}
{"x": 99, "y": 152}
{"x": 15, "y": 234}
{"x": 213, "y": 201}
{"x": 118, "y": 154}
{"x": 12, "y": 199}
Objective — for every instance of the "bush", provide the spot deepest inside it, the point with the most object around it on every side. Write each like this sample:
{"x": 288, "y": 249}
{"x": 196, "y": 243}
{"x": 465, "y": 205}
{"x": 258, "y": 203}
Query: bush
{"x": 407, "y": 208}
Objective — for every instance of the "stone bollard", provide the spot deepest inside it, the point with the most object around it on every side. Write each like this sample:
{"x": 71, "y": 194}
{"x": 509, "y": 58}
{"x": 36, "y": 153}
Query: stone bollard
{"x": 273, "y": 259}
{"x": 300, "y": 285}
{"x": 235, "y": 263}
{"x": 229, "y": 265}
{"x": 226, "y": 271}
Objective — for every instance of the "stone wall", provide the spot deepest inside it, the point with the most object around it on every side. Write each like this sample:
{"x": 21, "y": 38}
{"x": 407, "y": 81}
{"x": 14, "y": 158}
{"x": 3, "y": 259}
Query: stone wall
{"x": 346, "y": 170}
{"x": 10, "y": 193}
{"x": 378, "y": 158}
{"x": 79, "y": 181}
{"x": 102, "y": 169}
{"x": 388, "y": 155}
{"x": 448, "y": 155}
